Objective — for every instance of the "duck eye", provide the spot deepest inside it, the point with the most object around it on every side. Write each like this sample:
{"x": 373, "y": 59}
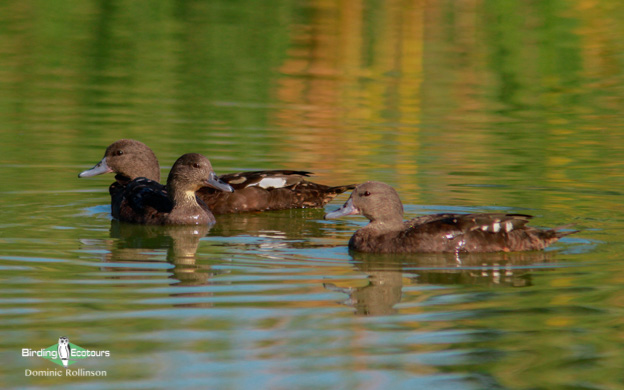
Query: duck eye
{"x": 195, "y": 165}
{"x": 366, "y": 193}
{"x": 119, "y": 152}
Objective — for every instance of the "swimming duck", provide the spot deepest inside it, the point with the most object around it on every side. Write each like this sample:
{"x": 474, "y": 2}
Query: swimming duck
{"x": 253, "y": 191}
{"x": 129, "y": 160}
{"x": 448, "y": 232}
{"x": 148, "y": 202}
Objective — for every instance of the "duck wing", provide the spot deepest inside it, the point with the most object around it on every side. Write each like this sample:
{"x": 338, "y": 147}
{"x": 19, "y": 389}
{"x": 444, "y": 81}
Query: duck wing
{"x": 484, "y": 232}
{"x": 493, "y": 222}
{"x": 142, "y": 195}
{"x": 265, "y": 179}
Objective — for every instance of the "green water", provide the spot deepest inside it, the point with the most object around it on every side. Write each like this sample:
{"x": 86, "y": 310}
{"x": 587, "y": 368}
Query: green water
{"x": 462, "y": 106}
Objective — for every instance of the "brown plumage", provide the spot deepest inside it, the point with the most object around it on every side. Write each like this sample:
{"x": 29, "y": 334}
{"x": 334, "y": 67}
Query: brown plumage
{"x": 147, "y": 202}
{"x": 253, "y": 191}
{"x": 269, "y": 190}
{"x": 388, "y": 233}
{"x": 128, "y": 159}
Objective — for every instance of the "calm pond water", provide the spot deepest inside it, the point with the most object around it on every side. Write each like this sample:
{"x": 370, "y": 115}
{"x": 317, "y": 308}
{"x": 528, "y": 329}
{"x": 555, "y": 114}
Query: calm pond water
{"x": 462, "y": 106}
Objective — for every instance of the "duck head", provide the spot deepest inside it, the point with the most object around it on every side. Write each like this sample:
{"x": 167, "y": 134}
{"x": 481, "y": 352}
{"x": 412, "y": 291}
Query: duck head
{"x": 191, "y": 172}
{"x": 128, "y": 158}
{"x": 375, "y": 200}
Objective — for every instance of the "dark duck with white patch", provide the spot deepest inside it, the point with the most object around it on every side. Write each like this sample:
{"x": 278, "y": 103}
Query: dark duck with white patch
{"x": 388, "y": 233}
{"x": 253, "y": 191}
{"x": 148, "y": 202}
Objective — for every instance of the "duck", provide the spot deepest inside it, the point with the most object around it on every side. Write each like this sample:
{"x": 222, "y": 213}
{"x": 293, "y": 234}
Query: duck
{"x": 147, "y": 202}
{"x": 387, "y": 232}
{"x": 129, "y": 160}
{"x": 254, "y": 191}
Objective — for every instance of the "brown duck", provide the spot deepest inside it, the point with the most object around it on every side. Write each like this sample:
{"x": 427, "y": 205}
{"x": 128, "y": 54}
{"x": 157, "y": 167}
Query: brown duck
{"x": 148, "y": 202}
{"x": 388, "y": 233}
{"x": 253, "y": 191}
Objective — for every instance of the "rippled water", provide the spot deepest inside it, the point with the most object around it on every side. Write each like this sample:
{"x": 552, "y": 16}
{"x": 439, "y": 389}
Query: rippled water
{"x": 462, "y": 106}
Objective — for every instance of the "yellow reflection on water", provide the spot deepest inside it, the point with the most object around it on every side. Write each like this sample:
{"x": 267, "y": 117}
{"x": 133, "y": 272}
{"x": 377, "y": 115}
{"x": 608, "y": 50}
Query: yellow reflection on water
{"x": 352, "y": 81}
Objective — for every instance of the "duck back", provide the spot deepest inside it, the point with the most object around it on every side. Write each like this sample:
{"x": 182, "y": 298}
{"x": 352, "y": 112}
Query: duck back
{"x": 140, "y": 201}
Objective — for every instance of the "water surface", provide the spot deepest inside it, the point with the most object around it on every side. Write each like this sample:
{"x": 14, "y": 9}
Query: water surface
{"x": 462, "y": 106}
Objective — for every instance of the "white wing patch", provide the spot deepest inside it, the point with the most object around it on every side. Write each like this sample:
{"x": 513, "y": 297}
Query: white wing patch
{"x": 496, "y": 226}
{"x": 508, "y": 226}
{"x": 270, "y": 182}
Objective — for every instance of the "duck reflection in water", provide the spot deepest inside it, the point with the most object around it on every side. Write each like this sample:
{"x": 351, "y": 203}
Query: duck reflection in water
{"x": 273, "y": 230}
{"x": 388, "y": 273}
{"x": 144, "y": 244}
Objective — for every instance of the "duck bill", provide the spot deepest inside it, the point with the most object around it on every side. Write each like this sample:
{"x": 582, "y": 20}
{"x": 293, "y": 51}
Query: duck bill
{"x": 214, "y": 182}
{"x": 98, "y": 169}
{"x": 347, "y": 209}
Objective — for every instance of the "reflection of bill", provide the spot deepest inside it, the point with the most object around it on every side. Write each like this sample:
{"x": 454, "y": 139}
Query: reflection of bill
{"x": 63, "y": 350}
{"x": 388, "y": 272}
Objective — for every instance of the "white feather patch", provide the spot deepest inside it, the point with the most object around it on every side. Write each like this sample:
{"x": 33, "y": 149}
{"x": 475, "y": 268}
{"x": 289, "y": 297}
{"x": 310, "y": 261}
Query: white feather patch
{"x": 508, "y": 226}
{"x": 270, "y": 182}
{"x": 496, "y": 227}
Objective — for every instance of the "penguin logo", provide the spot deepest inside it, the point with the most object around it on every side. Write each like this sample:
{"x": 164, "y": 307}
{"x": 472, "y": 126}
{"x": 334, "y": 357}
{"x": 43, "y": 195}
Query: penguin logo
{"x": 64, "y": 350}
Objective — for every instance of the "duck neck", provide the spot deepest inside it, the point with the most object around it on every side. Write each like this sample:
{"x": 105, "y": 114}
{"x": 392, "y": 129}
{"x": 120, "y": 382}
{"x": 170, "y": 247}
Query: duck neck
{"x": 182, "y": 198}
{"x": 386, "y": 225}
{"x": 152, "y": 171}
{"x": 122, "y": 179}
{"x": 149, "y": 171}
{"x": 145, "y": 165}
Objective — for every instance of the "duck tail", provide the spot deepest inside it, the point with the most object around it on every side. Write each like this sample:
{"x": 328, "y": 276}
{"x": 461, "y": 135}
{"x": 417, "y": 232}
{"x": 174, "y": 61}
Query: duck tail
{"x": 340, "y": 189}
{"x": 550, "y": 236}
{"x": 330, "y": 193}
{"x": 560, "y": 232}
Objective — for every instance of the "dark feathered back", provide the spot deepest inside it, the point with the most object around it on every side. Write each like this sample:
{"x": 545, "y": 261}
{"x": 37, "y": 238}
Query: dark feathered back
{"x": 147, "y": 202}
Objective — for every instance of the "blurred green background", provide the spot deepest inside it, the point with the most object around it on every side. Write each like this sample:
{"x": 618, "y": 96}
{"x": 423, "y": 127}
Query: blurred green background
{"x": 469, "y": 106}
